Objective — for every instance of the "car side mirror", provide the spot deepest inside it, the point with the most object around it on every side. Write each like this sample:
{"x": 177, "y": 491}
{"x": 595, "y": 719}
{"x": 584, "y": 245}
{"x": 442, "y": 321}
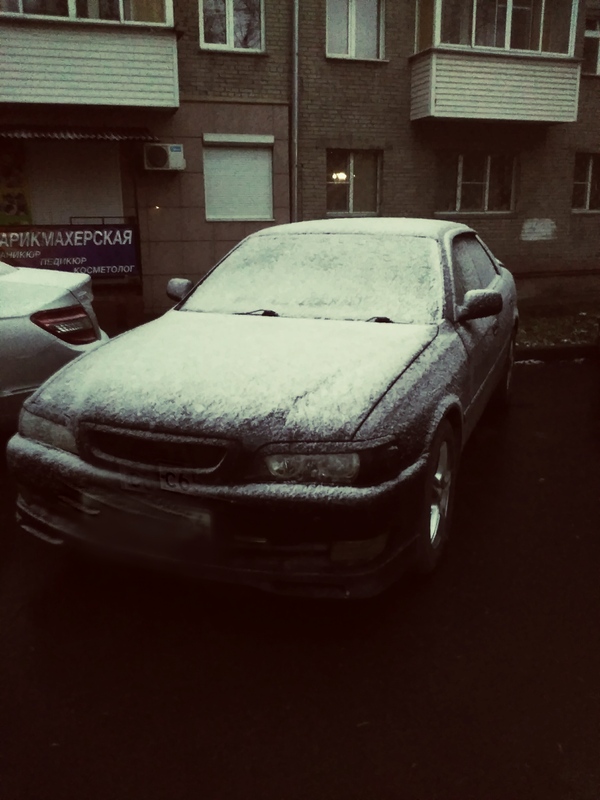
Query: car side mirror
{"x": 480, "y": 303}
{"x": 177, "y": 288}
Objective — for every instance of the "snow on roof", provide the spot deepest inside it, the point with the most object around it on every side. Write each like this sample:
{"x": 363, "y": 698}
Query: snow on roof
{"x": 400, "y": 226}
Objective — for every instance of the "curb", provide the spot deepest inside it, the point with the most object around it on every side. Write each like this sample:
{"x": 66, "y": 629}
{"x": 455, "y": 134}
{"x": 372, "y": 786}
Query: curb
{"x": 561, "y": 352}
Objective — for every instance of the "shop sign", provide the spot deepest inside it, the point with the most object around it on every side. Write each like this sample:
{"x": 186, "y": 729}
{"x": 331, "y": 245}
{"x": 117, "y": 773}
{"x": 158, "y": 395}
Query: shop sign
{"x": 102, "y": 251}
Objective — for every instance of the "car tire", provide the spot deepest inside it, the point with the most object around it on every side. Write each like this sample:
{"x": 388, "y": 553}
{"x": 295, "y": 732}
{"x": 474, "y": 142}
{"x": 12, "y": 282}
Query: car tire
{"x": 501, "y": 397}
{"x": 438, "y": 500}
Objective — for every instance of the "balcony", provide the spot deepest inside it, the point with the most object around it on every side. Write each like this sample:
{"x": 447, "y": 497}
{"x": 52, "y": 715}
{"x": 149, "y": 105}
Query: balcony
{"x": 114, "y": 53}
{"x": 494, "y": 60}
{"x": 490, "y": 86}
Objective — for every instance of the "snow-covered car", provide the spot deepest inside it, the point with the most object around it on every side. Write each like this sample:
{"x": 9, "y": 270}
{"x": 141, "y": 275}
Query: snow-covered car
{"x": 294, "y": 423}
{"x": 46, "y": 320}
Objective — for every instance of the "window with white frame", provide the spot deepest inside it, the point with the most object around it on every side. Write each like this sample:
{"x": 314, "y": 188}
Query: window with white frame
{"x": 476, "y": 182}
{"x": 546, "y": 26}
{"x": 238, "y": 177}
{"x": 591, "y": 42}
{"x": 155, "y": 12}
{"x": 353, "y": 182}
{"x": 586, "y": 182}
{"x": 232, "y": 24}
{"x": 355, "y": 28}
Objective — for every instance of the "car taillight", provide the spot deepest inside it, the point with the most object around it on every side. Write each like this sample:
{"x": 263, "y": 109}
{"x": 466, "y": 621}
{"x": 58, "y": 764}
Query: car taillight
{"x": 71, "y": 324}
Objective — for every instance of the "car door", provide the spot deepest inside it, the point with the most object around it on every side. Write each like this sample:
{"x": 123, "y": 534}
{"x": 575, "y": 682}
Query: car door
{"x": 472, "y": 268}
{"x": 492, "y": 279}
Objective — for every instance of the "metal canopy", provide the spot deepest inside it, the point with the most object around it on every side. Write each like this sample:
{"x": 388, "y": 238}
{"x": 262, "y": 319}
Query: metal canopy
{"x": 76, "y": 133}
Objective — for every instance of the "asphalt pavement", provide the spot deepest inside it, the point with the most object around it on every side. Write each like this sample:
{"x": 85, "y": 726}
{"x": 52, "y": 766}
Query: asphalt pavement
{"x": 480, "y": 682}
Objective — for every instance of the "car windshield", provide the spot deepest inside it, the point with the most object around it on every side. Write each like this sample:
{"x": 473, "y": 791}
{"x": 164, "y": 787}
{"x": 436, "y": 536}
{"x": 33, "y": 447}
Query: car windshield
{"x": 354, "y": 276}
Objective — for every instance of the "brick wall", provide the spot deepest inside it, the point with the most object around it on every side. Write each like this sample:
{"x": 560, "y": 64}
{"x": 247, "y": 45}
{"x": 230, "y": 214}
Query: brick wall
{"x": 239, "y": 75}
{"x": 357, "y": 104}
{"x": 343, "y": 104}
{"x": 177, "y": 240}
{"x": 364, "y": 105}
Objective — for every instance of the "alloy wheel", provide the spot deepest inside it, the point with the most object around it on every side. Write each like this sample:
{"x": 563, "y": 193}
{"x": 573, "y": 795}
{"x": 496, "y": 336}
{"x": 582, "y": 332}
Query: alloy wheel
{"x": 440, "y": 492}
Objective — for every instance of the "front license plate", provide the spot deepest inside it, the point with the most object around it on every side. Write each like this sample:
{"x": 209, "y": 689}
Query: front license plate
{"x": 173, "y": 480}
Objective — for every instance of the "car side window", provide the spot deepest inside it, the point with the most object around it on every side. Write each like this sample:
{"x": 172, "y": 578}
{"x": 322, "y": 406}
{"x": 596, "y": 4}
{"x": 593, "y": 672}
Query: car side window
{"x": 466, "y": 276}
{"x": 482, "y": 262}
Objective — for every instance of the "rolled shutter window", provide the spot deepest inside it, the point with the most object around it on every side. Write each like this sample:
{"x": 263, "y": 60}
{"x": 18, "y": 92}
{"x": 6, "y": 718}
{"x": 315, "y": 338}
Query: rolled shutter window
{"x": 238, "y": 183}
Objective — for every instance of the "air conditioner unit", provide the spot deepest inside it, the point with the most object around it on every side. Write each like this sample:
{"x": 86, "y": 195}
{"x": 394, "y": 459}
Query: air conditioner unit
{"x": 164, "y": 156}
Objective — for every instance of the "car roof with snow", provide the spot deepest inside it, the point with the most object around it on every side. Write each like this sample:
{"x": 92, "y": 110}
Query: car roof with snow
{"x": 399, "y": 226}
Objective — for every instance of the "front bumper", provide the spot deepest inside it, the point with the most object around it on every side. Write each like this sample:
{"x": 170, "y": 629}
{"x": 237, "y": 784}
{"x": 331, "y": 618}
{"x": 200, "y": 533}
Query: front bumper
{"x": 292, "y": 539}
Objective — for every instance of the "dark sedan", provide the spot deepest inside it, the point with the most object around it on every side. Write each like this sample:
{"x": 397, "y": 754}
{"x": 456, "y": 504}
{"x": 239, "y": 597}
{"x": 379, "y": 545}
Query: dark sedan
{"x": 295, "y": 423}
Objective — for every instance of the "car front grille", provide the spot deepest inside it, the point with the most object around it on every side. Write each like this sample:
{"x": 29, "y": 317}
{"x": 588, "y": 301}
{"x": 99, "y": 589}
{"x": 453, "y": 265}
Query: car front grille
{"x": 145, "y": 451}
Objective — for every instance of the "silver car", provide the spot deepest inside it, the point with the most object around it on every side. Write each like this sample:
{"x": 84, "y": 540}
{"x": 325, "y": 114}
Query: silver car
{"x": 295, "y": 423}
{"x": 46, "y": 320}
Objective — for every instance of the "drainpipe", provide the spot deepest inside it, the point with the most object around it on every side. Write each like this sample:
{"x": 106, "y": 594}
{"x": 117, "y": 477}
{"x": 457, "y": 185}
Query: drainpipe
{"x": 295, "y": 107}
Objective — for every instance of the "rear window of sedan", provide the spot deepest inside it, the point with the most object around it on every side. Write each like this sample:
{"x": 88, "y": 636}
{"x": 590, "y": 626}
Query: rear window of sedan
{"x": 328, "y": 275}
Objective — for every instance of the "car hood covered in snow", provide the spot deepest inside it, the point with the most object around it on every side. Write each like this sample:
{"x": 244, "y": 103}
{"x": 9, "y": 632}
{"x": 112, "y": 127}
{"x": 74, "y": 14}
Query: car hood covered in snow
{"x": 262, "y": 378}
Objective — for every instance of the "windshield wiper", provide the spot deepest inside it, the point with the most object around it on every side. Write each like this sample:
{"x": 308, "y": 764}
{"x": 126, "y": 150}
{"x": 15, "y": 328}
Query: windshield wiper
{"x": 379, "y": 319}
{"x": 259, "y": 312}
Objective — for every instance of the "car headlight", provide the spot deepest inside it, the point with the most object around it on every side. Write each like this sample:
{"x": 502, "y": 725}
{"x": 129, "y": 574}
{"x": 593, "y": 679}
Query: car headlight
{"x": 43, "y": 430}
{"x": 317, "y": 468}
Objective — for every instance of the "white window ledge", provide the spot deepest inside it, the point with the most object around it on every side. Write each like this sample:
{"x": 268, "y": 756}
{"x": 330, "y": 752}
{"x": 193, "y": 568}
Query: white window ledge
{"x": 243, "y": 139}
{"x": 240, "y": 219}
{"x": 354, "y": 214}
{"x": 338, "y": 57}
{"x": 479, "y": 213}
{"x": 248, "y": 51}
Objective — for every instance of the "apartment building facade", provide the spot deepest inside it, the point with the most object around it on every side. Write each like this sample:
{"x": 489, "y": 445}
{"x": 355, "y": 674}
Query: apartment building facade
{"x": 178, "y": 128}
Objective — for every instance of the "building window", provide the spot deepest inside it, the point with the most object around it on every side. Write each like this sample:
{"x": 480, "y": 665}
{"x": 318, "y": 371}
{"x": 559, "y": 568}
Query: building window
{"x": 352, "y": 182}
{"x": 476, "y": 182}
{"x": 586, "y": 183}
{"x": 238, "y": 179}
{"x": 355, "y": 28}
{"x": 533, "y": 25}
{"x": 156, "y": 12}
{"x": 232, "y": 24}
